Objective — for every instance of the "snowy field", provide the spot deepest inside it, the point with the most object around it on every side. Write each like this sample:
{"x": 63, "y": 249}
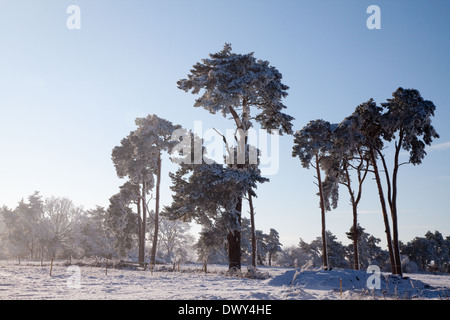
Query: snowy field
{"x": 29, "y": 280}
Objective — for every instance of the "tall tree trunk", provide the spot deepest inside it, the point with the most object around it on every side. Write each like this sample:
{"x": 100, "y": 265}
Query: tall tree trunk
{"x": 398, "y": 265}
{"x": 144, "y": 220}
{"x": 354, "y": 203}
{"x": 322, "y": 209}
{"x": 355, "y": 237}
{"x": 234, "y": 241}
{"x": 392, "y": 199}
{"x": 384, "y": 210}
{"x": 155, "y": 234}
{"x": 252, "y": 223}
{"x": 140, "y": 239}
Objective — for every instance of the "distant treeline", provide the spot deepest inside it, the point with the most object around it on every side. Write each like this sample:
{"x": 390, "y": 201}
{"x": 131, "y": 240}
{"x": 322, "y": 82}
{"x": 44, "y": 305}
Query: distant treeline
{"x": 428, "y": 253}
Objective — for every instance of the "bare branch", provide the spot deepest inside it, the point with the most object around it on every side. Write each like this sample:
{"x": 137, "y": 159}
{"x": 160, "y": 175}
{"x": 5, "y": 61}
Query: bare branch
{"x": 224, "y": 141}
{"x": 407, "y": 162}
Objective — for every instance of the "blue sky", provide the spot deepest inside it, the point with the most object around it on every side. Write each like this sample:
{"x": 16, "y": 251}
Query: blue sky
{"x": 67, "y": 97}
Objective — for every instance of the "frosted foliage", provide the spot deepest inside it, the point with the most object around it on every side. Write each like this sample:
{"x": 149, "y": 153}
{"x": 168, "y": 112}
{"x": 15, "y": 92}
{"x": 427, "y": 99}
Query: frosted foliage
{"x": 314, "y": 139}
{"x": 408, "y": 118}
{"x": 120, "y": 219}
{"x": 230, "y": 81}
{"x": 205, "y": 192}
{"x": 154, "y": 131}
{"x": 364, "y": 125}
{"x": 136, "y": 157}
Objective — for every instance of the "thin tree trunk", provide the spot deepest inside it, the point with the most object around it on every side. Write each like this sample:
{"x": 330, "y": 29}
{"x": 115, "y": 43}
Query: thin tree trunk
{"x": 155, "y": 234}
{"x": 355, "y": 220}
{"x": 252, "y": 223}
{"x": 322, "y": 209}
{"x": 355, "y": 230}
{"x": 384, "y": 211}
{"x": 398, "y": 265}
{"x": 392, "y": 199}
{"x": 144, "y": 219}
{"x": 355, "y": 238}
{"x": 141, "y": 248}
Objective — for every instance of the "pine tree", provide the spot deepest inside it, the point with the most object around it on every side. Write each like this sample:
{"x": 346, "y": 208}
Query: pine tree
{"x": 273, "y": 244}
{"x": 313, "y": 144}
{"x": 139, "y": 158}
{"x": 234, "y": 84}
{"x": 136, "y": 163}
{"x": 347, "y": 154}
{"x": 156, "y": 134}
{"x": 406, "y": 122}
{"x": 366, "y": 122}
{"x": 121, "y": 222}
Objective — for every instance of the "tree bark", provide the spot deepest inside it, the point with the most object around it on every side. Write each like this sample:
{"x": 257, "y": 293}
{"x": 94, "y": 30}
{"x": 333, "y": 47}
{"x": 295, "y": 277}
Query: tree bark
{"x": 398, "y": 265}
{"x": 322, "y": 209}
{"x": 234, "y": 236}
{"x": 155, "y": 234}
{"x": 234, "y": 241}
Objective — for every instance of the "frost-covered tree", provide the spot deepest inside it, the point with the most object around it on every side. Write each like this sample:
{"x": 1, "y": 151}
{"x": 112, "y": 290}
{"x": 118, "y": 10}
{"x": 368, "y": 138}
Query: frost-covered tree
{"x": 313, "y": 144}
{"x": 136, "y": 163}
{"x": 366, "y": 122}
{"x": 433, "y": 247}
{"x": 121, "y": 222}
{"x": 210, "y": 246}
{"x": 233, "y": 84}
{"x": 335, "y": 249}
{"x": 62, "y": 216}
{"x": 3, "y": 234}
{"x": 348, "y": 154}
{"x": 52, "y": 227}
{"x": 14, "y": 236}
{"x": 155, "y": 135}
{"x": 176, "y": 242}
{"x": 369, "y": 253}
{"x": 92, "y": 235}
{"x": 240, "y": 86}
{"x": 24, "y": 234}
{"x": 293, "y": 256}
{"x": 407, "y": 123}
{"x": 253, "y": 244}
{"x": 139, "y": 157}
{"x": 273, "y": 244}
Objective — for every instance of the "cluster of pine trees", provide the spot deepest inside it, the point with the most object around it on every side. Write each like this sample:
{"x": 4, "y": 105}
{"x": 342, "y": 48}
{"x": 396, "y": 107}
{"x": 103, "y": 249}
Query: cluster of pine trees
{"x": 422, "y": 254}
{"x": 250, "y": 92}
{"x": 345, "y": 153}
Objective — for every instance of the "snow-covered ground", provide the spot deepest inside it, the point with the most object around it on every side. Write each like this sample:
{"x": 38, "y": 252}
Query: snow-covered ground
{"x": 31, "y": 281}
